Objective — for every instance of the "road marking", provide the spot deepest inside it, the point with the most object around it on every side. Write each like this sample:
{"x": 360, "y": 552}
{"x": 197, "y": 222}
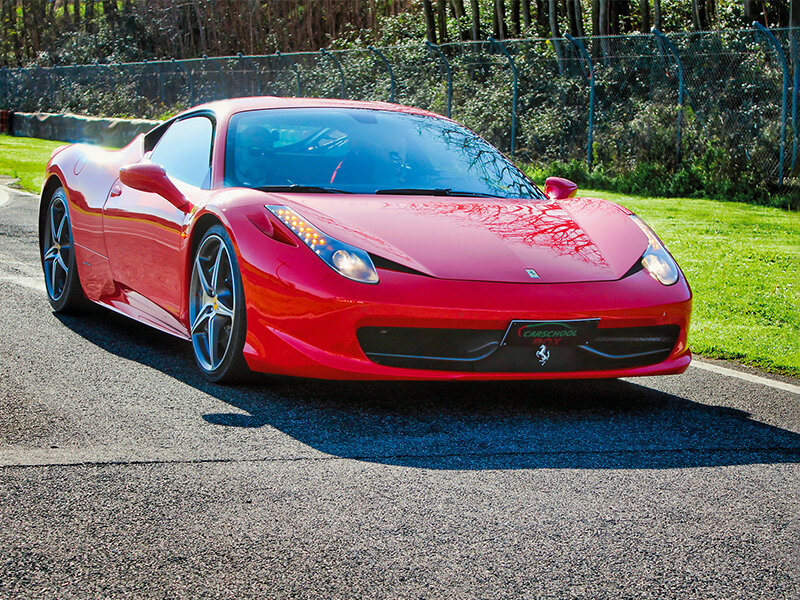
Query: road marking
{"x": 5, "y": 194}
{"x": 779, "y": 385}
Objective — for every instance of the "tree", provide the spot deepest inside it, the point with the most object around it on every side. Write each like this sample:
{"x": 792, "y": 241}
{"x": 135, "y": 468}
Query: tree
{"x": 515, "y": 18}
{"x": 476, "y": 19}
{"x": 460, "y": 14}
{"x": 699, "y": 15}
{"x": 644, "y": 14}
{"x": 441, "y": 19}
{"x": 430, "y": 21}
{"x": 526, "y": 14}
{"x": 499, "y": 20}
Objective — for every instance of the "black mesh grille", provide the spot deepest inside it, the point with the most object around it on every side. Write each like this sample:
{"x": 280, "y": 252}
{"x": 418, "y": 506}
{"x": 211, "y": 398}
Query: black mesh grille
{"x": 479, "y": 350}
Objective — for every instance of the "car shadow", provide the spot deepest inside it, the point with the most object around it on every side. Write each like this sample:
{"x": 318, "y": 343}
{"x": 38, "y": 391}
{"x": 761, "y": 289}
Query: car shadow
{"x": 467, "y": 425}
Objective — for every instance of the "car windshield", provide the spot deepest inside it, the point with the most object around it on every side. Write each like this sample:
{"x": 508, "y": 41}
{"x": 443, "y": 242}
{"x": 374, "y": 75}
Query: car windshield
{"x": 366, "y": 152}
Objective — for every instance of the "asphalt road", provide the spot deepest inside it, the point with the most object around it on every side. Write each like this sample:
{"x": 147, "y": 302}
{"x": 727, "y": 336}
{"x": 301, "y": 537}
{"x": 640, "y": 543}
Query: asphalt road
{"x": 124, "y": 474}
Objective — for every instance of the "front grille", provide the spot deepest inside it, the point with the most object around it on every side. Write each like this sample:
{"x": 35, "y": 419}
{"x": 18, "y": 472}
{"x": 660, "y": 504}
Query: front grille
{"x": 480, "y": 350}
{"x": 428, "y": 343}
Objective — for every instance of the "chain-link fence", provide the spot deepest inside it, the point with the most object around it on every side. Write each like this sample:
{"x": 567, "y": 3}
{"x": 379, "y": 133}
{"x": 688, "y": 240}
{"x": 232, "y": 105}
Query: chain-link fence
{"x": 727, "y": 100}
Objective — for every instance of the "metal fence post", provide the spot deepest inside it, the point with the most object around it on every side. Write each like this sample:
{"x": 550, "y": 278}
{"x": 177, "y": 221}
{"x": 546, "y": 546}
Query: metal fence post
{"x": 784, "y": 92}
{"x": 448, "y": 70}
{"x": 188, "y": 73}
{"x": 795, "y": 100}
{"x": 293, "y": 68}
{"x": 220, "y": 76}
{"x": 338, "y": 64}
{"x": 247, "y": 59}
{"x": 160, "y": 72}
{"x": 503, "y": 49}
{"x": 668, "y": 49}
{"x": 381, "y": 56}
{"x": 588, "y": 72}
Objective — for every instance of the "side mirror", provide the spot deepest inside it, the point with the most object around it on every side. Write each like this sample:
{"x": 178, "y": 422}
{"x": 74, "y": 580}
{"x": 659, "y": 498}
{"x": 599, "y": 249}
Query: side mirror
{"x": 558, "y": 188}
{"x": 150, "y": 177}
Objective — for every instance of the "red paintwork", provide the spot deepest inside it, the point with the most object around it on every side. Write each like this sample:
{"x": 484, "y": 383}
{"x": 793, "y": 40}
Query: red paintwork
{"x": 133, "y": 250}
{"x": 148, "y": 177}
{"x": 558, "y": 188}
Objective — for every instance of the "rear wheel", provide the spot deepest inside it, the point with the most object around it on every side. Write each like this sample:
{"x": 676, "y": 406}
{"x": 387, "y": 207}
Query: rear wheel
{"x": 58, "y": 257}
{"x": 216, "y": 309}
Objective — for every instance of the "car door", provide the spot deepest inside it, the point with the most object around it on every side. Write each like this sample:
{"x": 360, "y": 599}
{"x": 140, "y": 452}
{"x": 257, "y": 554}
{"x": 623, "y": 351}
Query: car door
{"x": 144, "y": 231}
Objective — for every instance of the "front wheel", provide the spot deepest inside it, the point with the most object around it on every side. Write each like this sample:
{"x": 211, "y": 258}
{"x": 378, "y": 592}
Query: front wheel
{"x": 216, "y": 309}
{"x": 58, "y": 257}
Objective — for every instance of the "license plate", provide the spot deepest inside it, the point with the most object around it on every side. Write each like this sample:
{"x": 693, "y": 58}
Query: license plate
{"x": 552, "y": 334}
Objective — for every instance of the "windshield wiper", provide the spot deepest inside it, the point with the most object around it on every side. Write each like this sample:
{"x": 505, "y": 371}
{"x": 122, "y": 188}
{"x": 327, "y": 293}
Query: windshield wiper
{"x": 310, "y": 189}
{"x": 433, "y": 192}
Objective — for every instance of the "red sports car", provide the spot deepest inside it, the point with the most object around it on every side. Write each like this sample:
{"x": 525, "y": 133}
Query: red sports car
{"x": 357, "y": 240}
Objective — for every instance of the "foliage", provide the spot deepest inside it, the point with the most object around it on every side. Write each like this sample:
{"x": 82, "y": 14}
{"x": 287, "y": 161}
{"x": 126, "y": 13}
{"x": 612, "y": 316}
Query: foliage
{"x": 654, "y": 179}
{"x": 730, "y": 120}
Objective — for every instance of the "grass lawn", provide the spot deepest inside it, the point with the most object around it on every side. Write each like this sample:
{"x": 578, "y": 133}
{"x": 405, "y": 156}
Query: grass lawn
{"x": 742, "y": 261}
{"x": 25, "y": 158}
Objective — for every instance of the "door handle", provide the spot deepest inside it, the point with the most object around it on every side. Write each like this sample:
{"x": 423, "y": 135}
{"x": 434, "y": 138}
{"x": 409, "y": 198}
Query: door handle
{"x": 115, "y": 191}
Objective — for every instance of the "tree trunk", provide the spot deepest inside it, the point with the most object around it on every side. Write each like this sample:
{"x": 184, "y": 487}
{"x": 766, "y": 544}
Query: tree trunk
{"x": 573, "y": 24}
{"x": 460, "y": 13}
{"x": 613, "y": 17}
{"x": 657, "y": 23}
{"x": 553, "y": 14}
{"x": 579, "y": 19}
{"x": 604, "y": 25}
{"x": 541, "y": 17}
{"x": 441, "y": 19}
{"x": 697, "y": 21}
{"x": 430, "y": 21}
{"x": 555, "y": 33}
{"x": 515, "y": 18}
{"x": 500, "y": 19}
{"x": 77, "y": 12}
{"x": 526, "y": 14}
{"x": 476, "y": 19}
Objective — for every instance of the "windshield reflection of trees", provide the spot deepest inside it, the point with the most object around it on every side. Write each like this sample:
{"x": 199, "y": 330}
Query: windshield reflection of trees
{"x": 543, "y": 225}
{"x": 493, "y": 169}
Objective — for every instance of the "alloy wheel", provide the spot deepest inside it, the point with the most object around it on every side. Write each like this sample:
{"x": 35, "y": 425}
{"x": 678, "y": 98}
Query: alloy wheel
{"x": 212, "y": 303}
{"x": 58, "y": 247}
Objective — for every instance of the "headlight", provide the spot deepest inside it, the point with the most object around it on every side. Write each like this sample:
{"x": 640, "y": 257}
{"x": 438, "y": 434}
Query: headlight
{"x": 656, "y": 260}
{"x": 345, "y": 259}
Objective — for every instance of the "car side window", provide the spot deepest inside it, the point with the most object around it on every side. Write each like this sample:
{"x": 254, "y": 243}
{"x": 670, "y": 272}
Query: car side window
{"x": 185, "y": 151}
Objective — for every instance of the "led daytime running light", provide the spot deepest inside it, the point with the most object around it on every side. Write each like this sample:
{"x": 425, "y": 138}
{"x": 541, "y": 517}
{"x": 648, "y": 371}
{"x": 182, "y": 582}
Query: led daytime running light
{"x": 347, "y": 260}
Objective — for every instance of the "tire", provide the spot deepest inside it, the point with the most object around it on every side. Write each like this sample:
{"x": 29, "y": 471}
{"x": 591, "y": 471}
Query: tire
{"x": 57, "y": 251}
{"x": 217, "y": 309}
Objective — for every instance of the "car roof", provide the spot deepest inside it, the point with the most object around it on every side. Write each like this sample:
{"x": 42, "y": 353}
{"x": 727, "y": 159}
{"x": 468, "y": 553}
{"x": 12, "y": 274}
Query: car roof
{"x": 226, "y": 108}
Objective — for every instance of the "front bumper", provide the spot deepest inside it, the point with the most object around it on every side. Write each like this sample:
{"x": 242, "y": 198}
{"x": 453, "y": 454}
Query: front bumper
{"x": 305, "y": 321}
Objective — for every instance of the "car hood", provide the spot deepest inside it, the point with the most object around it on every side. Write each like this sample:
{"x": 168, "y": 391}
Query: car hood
{"x": 522, "y": 241}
